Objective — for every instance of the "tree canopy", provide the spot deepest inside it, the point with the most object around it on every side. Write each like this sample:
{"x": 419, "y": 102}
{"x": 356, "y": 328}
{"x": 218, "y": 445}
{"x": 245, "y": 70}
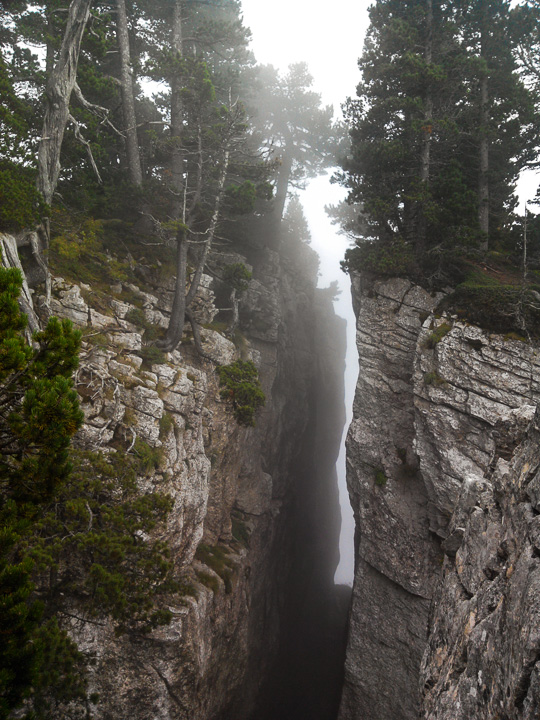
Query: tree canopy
{"x": 443, "y": 123}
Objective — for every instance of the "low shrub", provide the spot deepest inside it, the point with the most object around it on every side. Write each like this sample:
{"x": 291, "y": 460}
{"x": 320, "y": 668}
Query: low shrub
{"x": 240, "y": 385}
{"x": 497, "y": 306}
{"x": 152, "y": 355}
{"x": 148, "y": 458}
{"x": 237, "y": 276}
{"x": 137, "y": 317}
{"x": 240, "y": 530}
{"x": 210, "y": 581}
{"x": 216, "y": 558}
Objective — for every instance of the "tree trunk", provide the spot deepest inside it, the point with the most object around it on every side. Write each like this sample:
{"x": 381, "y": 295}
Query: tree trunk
{"x": 282, "y": 186}
{"x": 425, "y": 159}
{"x": 428, "y": 102}
{"x": 211, "y": 232}
{"x": 483, "y": 175}
{"x": 177, "y": 160}
{"x": 235, "y": 313}
{"x": 57, "y": 95}
{"x": 181, "y": 300}
{"x": 128, "y": 100}
{"x": 197, "y": 337}
{"x": 175, "y": 328}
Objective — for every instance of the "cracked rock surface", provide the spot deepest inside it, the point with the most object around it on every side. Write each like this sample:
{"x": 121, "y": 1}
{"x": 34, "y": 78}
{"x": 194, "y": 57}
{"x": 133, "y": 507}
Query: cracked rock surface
{"x": 210, "y": 661}
{"x": 443, "y": 459}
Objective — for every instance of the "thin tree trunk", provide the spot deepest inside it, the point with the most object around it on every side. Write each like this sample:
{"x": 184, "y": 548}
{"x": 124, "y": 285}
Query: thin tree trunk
{"x": 181, "y": 300}
{"x": 235, "y": 313}
{"x": 428, "y": 104}
{"x": 58, "y": 93}
{"x": 211, "y": 232}
{"x": 483, "y": 175}
{"x": 425, "y": 159}
{"x": 483, "y": 178}
{"x": 128, "y": 100}
{"x": 175, "y": 328}
{"x": 197, "y": 337}
{"x": 177, "y": 160}
{"x": 282, "y": 186}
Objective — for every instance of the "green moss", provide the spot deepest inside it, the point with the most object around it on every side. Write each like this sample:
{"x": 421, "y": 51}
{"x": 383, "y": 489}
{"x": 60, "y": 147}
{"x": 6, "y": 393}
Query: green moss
{"x": 129, "y": 418}
{"x": 78, "y": 253}
{"x": 515, "y": 336}
{"x": 433, "y": 378}
{"x": 210, "y": 581}
{"x": 380, "y": 478}
{"x": 131, "y": 297}
{"x": 240, "y": 530}
{"x": 98, "y": 300}
{"x": 437, "y": 335}
{"x": 166, "y": 424}
{"x": 217, "y": 326}
{"x": 99, "y": 339}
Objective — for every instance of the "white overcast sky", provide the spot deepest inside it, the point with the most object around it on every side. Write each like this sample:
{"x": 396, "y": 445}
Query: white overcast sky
{"x": 328, "y": 36}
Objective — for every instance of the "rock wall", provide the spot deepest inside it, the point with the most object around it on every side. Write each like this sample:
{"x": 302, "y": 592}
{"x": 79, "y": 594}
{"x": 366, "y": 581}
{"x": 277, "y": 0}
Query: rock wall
{"x": 442, "y": 459}
{"x": 234, "y": 487}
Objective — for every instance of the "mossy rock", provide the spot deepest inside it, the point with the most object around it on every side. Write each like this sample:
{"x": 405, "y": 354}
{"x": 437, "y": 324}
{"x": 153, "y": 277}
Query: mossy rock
{"x": 437, "y": 335}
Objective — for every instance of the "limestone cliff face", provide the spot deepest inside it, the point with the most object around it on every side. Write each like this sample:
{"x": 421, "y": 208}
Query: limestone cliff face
{"x": 442, "y": 461}
{"x": 233, "y": 487}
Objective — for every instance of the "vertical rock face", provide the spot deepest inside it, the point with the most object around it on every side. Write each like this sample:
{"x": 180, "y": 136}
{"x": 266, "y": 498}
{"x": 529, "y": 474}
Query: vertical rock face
{"x": 442, "y": 462}
{"x": 395, "y": 554}
{"x": 233, "y": 487}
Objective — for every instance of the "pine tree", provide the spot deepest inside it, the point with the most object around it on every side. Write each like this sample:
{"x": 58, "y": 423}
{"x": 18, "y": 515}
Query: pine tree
{"x": 39, "y": 413}
{"x": 441, "y": 127}
{"x": 292, "y": 121}
{"x": 74, "y": 527}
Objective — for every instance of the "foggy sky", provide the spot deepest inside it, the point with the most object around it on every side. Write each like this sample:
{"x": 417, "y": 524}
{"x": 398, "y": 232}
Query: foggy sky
{"x": 329, "y": 37}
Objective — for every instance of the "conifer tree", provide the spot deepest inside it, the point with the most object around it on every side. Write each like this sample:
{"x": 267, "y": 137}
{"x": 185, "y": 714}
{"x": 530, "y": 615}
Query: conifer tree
{"x": 440, "y": 129}
{"x": 74, "y": 527}
{"x": 292, "y": 121}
